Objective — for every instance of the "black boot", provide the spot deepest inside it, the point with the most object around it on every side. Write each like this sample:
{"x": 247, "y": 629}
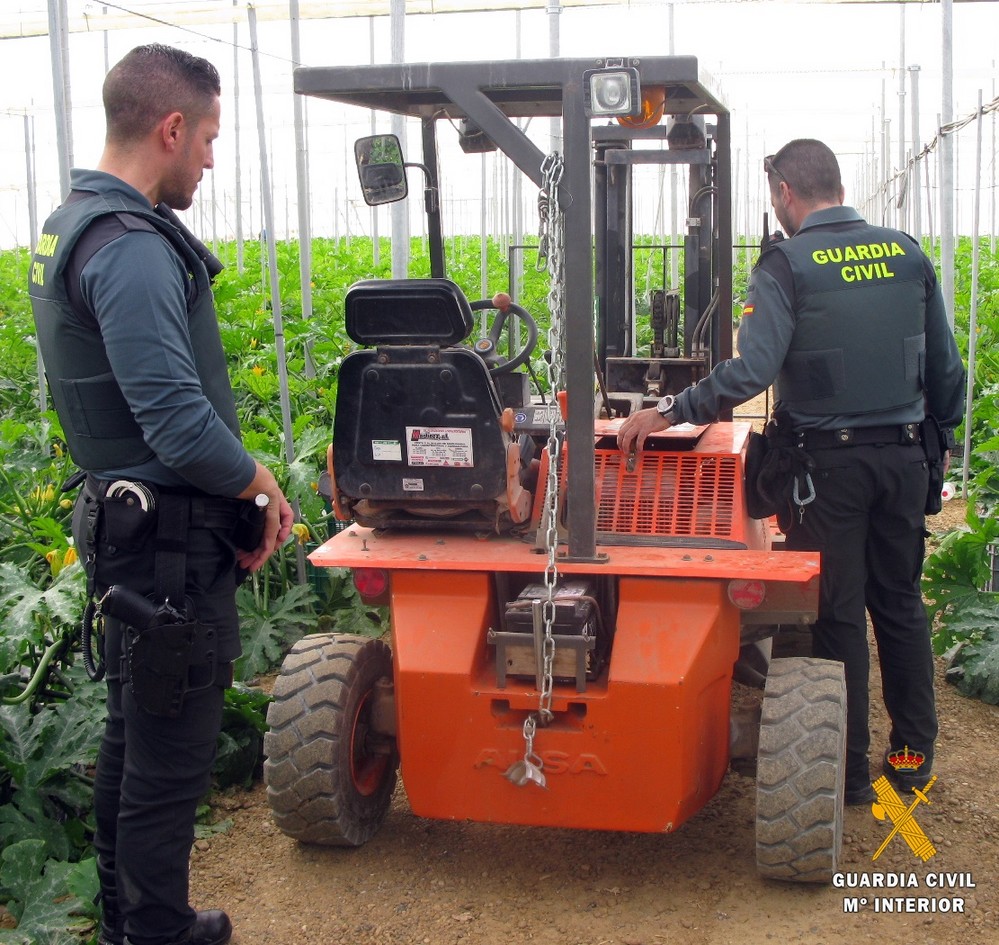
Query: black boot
{"x": 211, "y": 927}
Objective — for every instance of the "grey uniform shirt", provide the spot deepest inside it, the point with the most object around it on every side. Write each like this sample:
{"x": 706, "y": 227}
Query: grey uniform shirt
{"x": 765, "y": 337}
{"x": 136, "y": 286}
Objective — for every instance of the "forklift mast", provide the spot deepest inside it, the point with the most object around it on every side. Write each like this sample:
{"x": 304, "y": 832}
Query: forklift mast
{"x": 484, "y": 99}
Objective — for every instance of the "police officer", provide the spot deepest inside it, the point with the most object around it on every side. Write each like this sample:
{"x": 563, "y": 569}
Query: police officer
{"x": 128, "y": 333}
{"x": 849, "y": 322}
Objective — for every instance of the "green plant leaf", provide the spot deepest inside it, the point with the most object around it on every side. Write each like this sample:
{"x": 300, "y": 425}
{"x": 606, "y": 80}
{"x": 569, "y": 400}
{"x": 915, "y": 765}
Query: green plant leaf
{"x": 36, "y": 889}
{"x": 975, "y": 668}
{"x": 268, "y": 628}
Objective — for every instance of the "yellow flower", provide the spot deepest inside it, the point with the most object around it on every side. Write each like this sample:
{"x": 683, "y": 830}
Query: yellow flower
{"x": 54, "y": 558}
{"x": 57, "y": 449}
{"x": 43, "y": 495}
{"x": 258, "y": 370}
{"x": 253, "y": 343}
{"x": 65, "y": 503}
{"x": 301, "y": 532}
{"x": 69, "y": 557}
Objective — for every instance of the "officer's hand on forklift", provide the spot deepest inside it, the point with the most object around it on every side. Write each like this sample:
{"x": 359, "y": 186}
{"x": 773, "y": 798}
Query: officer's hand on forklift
{"x": 637, "y": 426}
{"x": 277, "y": 521}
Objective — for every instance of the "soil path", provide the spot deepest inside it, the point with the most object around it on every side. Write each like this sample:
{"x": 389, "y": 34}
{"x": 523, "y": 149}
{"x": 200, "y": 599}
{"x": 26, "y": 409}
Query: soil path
{"x": 421, "y": 882}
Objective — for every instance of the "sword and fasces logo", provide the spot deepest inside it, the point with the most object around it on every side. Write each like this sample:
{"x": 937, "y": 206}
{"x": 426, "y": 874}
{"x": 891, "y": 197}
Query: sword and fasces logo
{"x": 890, "y": 806}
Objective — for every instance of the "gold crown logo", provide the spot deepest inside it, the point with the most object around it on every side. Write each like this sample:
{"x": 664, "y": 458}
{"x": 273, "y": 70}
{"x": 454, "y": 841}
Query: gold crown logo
{"x": 906, "y": 759}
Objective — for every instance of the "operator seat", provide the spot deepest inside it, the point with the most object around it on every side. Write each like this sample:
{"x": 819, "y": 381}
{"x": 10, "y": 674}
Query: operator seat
{"x": 420, "y": 439}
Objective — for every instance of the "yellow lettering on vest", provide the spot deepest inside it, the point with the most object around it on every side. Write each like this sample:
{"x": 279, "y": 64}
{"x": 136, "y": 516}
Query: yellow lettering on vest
{"x": 863, "y": 252}
{"x": 47, "y": 243}
{"x": 878, "y": 270}
{"x": 835, "y": 254}
{"x": 850, "y": 254}
{"x": 877, "y": 250}
{"x": 820, "y": 257}
{"x": 897, "y": 250}
{"x": 38, "y": 273}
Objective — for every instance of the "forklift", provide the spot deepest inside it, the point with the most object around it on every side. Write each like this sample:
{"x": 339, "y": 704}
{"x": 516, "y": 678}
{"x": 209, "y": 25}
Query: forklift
{"x": 569, "y": 626}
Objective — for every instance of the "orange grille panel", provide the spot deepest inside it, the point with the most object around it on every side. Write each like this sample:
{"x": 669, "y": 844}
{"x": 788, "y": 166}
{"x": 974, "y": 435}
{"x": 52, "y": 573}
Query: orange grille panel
{"x": 679, "y": 494}
{"x": 691, "y": 497}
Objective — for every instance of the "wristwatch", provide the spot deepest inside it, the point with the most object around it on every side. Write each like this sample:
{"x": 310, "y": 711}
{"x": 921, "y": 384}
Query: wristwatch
{"x": 665, "y": 406}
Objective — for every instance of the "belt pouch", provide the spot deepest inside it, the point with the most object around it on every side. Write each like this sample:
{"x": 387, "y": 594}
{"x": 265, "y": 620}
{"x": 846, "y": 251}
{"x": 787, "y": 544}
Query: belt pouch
{"x": 158, "y": 661}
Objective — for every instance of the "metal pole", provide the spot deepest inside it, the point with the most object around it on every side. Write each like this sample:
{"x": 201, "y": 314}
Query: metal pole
{"x": 400, "y": 210}
{"x": 376, "y": 249}
{"x": 483, "y": 232}
{"x": 29, "y": 170}
{"x": 302, "y": 180}
{"x": 554, "y": 11}
{"x": 947, "y": 161}
{"x": 674, "y": 184}
{"x": 268, "y": 214}
{"x": 239, "y": 166}
{"x": 59, "y": 52}
{"x": 973, "y": 314}
{"x": 917, "y": 212}
{"x": 903, "y": 210}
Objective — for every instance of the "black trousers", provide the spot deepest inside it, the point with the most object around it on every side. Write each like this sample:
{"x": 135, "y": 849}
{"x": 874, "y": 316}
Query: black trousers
{"x": 867, "y": 521}
{"x": 152, "y": 771}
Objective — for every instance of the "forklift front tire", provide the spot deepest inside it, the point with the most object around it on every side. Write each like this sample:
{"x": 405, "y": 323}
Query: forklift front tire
{"x": 800, "y": 770}
{"x": 329, "y": 774}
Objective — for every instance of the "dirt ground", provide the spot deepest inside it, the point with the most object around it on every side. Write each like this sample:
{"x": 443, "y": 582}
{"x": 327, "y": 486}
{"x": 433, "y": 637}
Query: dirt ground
{"x": 423, "y": 882}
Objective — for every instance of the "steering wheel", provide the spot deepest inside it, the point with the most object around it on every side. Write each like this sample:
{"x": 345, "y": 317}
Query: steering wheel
{"x": 486, "y": 348}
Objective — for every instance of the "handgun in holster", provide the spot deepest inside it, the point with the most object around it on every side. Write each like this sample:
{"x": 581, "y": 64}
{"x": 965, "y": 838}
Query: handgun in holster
{"x": 160, "y": 644}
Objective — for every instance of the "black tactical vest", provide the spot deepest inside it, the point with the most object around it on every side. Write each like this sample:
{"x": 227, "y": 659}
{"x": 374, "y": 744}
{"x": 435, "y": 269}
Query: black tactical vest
{"x": 98, "y": 425}
{"x": 859, "y": 340}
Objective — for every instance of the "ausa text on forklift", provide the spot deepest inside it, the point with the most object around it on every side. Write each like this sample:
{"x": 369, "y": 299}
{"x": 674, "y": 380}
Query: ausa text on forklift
{"x": 566, "y": 622}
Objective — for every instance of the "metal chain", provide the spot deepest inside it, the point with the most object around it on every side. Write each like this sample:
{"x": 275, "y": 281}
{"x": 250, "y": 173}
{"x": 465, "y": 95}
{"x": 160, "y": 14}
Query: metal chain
{"x": 552, "y": 170}
{"x": 550, "y": 257}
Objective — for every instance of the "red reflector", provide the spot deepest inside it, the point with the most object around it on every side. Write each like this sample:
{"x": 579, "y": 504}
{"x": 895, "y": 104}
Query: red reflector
{"x": 370, "y": 582}
{"x": 746, "y": 595}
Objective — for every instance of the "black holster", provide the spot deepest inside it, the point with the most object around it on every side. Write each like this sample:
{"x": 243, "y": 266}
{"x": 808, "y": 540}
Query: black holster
{"x": 161, "y": 647}
{"x": 935, "y": 443}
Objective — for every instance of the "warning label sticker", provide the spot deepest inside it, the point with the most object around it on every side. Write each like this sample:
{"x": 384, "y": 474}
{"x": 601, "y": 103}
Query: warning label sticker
{"x": 439, "y": 446}
{"x": 386, "y": 451}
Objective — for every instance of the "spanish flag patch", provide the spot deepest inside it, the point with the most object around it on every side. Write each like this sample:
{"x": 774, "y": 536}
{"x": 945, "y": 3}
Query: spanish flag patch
{"x": 747, "y": 309}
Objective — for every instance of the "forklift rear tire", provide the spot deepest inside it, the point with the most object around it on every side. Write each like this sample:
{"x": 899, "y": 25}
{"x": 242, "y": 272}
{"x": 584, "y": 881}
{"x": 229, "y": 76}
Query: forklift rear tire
{"x": 329, "y": 775}
{"x": 800, "y": 771}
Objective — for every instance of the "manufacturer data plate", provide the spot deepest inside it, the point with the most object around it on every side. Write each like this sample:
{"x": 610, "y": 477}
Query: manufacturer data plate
{"x": 439, "y": 446}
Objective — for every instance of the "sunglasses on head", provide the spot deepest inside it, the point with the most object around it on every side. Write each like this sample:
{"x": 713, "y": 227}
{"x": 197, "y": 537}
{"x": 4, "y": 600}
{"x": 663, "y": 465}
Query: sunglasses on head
{"x": 771, "y": 168}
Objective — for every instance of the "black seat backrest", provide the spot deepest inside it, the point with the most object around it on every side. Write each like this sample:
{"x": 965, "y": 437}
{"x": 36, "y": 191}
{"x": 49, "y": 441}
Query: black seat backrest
{"x": 416, "y": 421}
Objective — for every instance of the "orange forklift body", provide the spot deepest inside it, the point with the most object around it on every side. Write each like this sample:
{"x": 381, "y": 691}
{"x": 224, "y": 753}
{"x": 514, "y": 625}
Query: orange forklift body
{"x": 646, "y": 744}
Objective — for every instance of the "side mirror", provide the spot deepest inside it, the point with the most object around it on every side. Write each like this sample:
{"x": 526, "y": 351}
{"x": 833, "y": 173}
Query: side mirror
{"x": 381, "y": 169}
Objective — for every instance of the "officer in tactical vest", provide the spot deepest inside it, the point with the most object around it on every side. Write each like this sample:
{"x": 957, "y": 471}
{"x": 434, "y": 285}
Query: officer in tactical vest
{"x": 172, "y": 510}
{"x": 848, "y": 321}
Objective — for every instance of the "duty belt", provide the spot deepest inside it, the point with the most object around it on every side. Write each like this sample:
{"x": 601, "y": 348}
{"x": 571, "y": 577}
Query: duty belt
{"x": 905, "y": 434}
{"x": 206, "y": 511}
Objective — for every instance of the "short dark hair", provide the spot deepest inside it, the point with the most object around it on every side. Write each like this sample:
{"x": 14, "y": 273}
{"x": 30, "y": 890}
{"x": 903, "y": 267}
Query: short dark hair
{"x": 809, "y": 167}
{"x": 153, "y": 81}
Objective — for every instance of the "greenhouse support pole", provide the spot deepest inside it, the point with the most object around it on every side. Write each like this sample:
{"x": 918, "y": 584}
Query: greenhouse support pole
{"x": 376, "y": 249}
{"x": 947, "y": 162}
{"x": 267, "y": 204}
{"x": 29, "y": 172}
{"x": 917, "y": 210}
{"x": 483, "y": 233}
{"x": 302, "y": 181}
{"x": 59, "y": 51}
{"x": 903, "y": 209}
{"x": 236, "y": 150}
{"x": 400, "y": 209}
{"x": 973, "y": 315}
{"x": 554, "y": 11}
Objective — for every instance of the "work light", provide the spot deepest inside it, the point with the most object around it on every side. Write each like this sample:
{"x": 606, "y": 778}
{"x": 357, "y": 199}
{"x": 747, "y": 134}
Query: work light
{"x": 613, "y": 91}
